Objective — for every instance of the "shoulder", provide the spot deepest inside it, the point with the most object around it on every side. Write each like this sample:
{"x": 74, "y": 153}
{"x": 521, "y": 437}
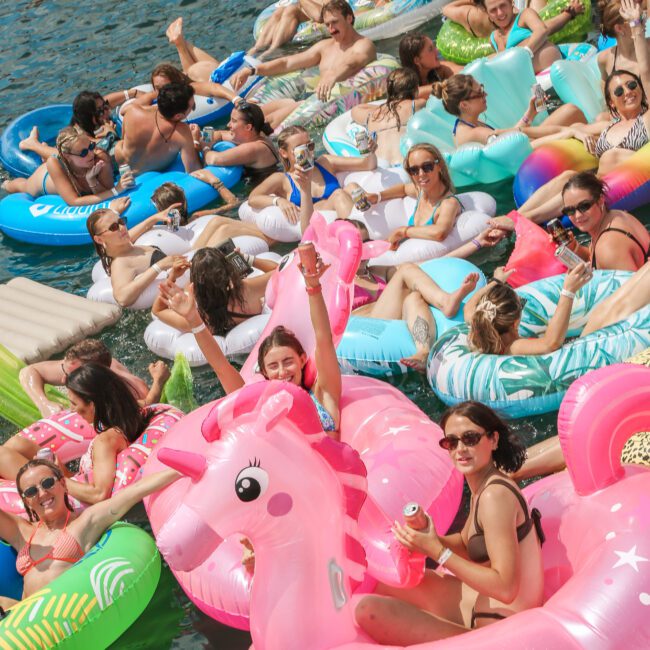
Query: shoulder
{"x": 110, "y": 439}
{"x": 496, "y": 497}
{"x": 366, "y": 45}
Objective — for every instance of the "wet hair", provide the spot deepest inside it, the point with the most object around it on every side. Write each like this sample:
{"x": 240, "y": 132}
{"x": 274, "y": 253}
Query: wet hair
{"x": 114, "y": 400}
{"x": 453, "y": 91}
{"x": 174, "y": 98}
{"x": 171, "y": 72}
{"x": 91, "y": 226}
{"x": 336, "y": 6}
{"x": 510, "y": 453}
{"x": 58, "y": 475}
{"x": 84, "y": 111}
{"x": 495, "y": 314}
{"x": 252, "y": 114}
{"x": 587, "y": 181}
{"x": 610, "y": 16}
{"x": 401, "y": 84}
{"x": 168, "y": 194}
{"x": 445, "y": 177}
{"x": 217, "y": 284}
{"x": 285, "y": 134}
{"x": 608, "y": 95}
{"x": 279, "y": 337}
{"x": 89, "y": 351}
{"x": 66, "y": 139}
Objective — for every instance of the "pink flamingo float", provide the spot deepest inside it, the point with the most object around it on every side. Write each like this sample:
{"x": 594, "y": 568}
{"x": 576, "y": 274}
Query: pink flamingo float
{"x": 396, "y": 442}
{"x": 270, "y": 474}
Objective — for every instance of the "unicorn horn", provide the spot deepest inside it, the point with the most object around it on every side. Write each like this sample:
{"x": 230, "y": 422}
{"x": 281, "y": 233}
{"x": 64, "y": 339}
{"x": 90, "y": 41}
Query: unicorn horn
{"x": 185, "y": 462}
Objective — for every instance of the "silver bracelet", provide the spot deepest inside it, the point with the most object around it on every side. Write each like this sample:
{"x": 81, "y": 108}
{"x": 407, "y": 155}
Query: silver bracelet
{"x": 156, "y": 268}
{"x": 198, "y": 328}
{"x": 567, "y": 294}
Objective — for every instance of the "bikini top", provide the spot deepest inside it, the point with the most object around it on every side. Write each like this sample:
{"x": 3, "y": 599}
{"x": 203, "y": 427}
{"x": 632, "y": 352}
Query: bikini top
{"x": 646, "y": 253}
{"x": 472, "y": 126}
{"x": 326, "y": 419}
{"x": 476, "y": 548}
{"x": 394, "y": 126}
{"x": 156, "y": 255}
{"x": 515, "y": 36}
{"x": 363, "y": 296}
{"x": 331, "y": 185}
{"x": 432, "y": 219}
{"x": 65, "y": 549}
{"x": 634, "y": 139}
{"x": 255, "y": 175}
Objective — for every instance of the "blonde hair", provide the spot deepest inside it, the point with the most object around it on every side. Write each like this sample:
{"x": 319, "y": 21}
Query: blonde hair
{"x": 64, "y": 142}
{"x": 445, "y": 176}
{"x": 282, "y": 142}
{"x": 453, "y": 91}
{"x": 496, "y": 313}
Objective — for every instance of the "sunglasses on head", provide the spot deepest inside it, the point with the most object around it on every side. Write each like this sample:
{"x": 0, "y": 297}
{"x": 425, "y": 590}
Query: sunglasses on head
{"x": 479, "y": 94}
{"x": 46, "y": 484}
{"x": 114, "y": 227}
{"x": 582, "y": 207}
{"x": 426, "y": 167}
{"x": 619, "y": 90}
{"x": 469, "y": 439}
{"x": 84, "y": 152}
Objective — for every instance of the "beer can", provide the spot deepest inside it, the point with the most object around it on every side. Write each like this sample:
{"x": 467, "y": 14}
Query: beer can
{"x": 568, "y": 257}
{"x": 307, "y": 254}
{"x": 414, "y": 516}
{"x": 362, "y": 138}
{"x": 45, "y": 453}
{"x": 304, "y": 157}
{"x": 360, "y": 199}
{"x": 207, "y": 133}
{"x": 559, "y": 233}
{"x": 124, "y": 169}
{"x": 174, "y": 219}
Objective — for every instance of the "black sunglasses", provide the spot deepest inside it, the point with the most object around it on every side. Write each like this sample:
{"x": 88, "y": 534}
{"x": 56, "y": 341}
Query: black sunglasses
{"x": 619, "y": 90}
{"x": 46, "y": 484}
{"x": 114, "y": 227}
{"x": 469, "y": 439}
{"x": 479, "y": 94}
{"x": 582, "y": 207}
{"x": 426, "y": 167}
{"x": 84, "y": 152}
{"x": 100, "y": 109}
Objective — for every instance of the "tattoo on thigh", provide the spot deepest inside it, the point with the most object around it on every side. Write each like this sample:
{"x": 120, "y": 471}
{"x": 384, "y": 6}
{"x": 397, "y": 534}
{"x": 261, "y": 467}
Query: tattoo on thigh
{"x": 420, "y": 331}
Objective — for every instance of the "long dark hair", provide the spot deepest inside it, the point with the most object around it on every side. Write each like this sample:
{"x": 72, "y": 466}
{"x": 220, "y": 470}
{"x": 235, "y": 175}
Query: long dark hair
{"x": 91, "y": 225}
{"x": 58, "y": 475}
{"x": 217, "y": 284}
{"x": 401, "y": 84}
{"x": 411, "y": 47}
{"x": 252, "y": 114}
{"x": 84, "y": 111}
{"x": 279, "y": 337}
{"x": 510, "y": 453}
{"x": 114, "y": 400}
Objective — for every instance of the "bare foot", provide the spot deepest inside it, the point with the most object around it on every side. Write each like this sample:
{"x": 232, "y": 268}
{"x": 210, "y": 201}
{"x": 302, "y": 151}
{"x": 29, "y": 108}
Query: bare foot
{"x": 452, "y": 304}
{"x": 175, "y": 31}
{"x": 30, "y": 141}
{"x": 417, "y": 362}
{"x": 468, "y": 285}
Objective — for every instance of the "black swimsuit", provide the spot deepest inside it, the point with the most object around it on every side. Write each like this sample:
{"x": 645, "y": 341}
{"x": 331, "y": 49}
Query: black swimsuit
{"x": 156, "y": 255}
{"x": 646, "y": 253}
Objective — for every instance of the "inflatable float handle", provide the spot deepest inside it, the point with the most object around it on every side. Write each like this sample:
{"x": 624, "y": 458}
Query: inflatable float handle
{"x": 598, "y": 415}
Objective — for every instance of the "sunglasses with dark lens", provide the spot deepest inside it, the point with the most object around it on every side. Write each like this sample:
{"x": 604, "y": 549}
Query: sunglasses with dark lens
{"x": 469, "y": 439}
{"x": 522, "y": 302}
{"x": 582, "y": 207}
{"x": 114, "y": 227}
{"x": 84, "y": 152}
{"x": 619, "y": 90}
{"x": 426, "y": 167}
{"x": 479, "y": 94}
{"x": 100, "y": 109}
{"x": 46, "y": 484}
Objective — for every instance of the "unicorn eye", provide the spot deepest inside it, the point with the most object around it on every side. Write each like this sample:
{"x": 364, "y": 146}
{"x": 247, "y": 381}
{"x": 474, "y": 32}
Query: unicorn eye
{"x": 251, "y": 483}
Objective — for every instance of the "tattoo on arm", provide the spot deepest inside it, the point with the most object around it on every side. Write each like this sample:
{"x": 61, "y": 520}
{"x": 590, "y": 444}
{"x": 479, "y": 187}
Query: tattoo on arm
{"x": 420, "y": 331}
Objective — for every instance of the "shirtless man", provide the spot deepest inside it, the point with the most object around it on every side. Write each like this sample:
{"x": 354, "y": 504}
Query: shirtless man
{"x": 339, "y": 58}
{"x": 34, "y": 377}
{"x": 152, "y": 136}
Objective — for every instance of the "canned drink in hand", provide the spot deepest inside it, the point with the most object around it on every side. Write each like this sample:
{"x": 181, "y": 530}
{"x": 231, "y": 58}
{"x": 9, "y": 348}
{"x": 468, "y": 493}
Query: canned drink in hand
{"x": 304, "y": 154}
{"x": 414, "y": 516}
{"x": 174, "y": 219}
{"x": 362, "y": 138}
{"x": 207, "y": 133}
{"x": 540, "y": 98}
{"x": 308, "y": 259}
{"x": 360, "y": 199}
{"x": 125, "y": 169}
{"x": 568, "y": 257}
{"x": 559, "y": 233}
{"x": 45, "y": 453}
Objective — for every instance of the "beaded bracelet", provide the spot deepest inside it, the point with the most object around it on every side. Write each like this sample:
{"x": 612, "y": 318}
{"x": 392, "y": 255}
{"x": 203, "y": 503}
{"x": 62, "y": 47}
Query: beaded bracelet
{"x": 477, "y": 243}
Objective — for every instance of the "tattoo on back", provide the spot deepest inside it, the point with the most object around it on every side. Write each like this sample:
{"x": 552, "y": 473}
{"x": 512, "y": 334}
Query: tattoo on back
{"x": 420, "y": 331}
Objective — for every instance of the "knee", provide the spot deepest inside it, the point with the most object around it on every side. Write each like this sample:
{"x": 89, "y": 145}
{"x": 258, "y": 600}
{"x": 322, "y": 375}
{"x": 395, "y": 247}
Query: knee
{"x": 414, "y": 300}
{"x": 350, "y": 187}
{"x": 340, "y": 195}
{"x": 367, "y": 612}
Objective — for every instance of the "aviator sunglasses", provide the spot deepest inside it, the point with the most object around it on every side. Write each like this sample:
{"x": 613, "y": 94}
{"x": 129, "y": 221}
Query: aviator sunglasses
{"x": 582, "y": 207}
{"x": 115, "y": 226}
{"x": 469, "y": 439}
{"x": 84, "y": 152}
{"x": 426, "y": 167}
{"x": 46, "y": 484}
{"x": 619, "y": 90}
{"x": 479, "y": 94}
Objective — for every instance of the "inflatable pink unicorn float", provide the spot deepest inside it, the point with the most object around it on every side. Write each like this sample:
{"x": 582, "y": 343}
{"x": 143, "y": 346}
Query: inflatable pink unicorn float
{"x": 274, "y": 477}
{"x": 396, "y": 442}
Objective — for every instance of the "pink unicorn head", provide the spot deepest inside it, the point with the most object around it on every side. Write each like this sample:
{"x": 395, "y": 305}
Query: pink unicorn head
{"x": 275, "y": 477}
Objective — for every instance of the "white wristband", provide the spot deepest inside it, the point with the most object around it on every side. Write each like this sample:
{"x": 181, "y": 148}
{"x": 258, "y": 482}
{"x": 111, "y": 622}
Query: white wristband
{"x": 126, "y": 95}
{"x": 156, "y": 268}
{"x": 276, "y": 200}
{"x": 444, "y": 556}
{"x": 114, "y": 191}
{"x": 250, "y": 259}
{"x": 567, "y": 294}
{"x": 198, "y": 328}
{"x": 379, "y": 199}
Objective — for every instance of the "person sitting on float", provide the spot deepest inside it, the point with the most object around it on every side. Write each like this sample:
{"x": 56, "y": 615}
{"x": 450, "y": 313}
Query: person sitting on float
{"x": 55, "y": 537}
{"x": 495, "y": 560}
{"x": 224, "y": 298}
{"x": 465, "y": 98}
{"x": 283, "y": 189}
{"x": 280, "y": 355}
{"x": 388, "y": 120}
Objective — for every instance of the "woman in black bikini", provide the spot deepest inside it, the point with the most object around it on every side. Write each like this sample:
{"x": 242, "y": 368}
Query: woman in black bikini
{"x": 496, "y": 558}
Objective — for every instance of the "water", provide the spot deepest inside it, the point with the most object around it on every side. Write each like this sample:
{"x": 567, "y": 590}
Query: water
{"x": 52, "y": 50}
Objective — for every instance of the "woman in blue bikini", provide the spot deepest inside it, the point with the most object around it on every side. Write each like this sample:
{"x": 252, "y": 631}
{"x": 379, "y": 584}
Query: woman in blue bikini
{"x": 282, "y": 188}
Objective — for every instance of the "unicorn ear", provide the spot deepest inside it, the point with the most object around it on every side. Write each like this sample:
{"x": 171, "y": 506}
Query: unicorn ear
{"x": 276, "y": 408}
{"x": 210, "y": 428}
{"x": 185, "y": 462}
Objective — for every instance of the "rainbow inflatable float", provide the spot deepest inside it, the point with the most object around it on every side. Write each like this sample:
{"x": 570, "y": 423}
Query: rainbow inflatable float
{"x": 308, "y": 560}
{"x": 391, "y": 453}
